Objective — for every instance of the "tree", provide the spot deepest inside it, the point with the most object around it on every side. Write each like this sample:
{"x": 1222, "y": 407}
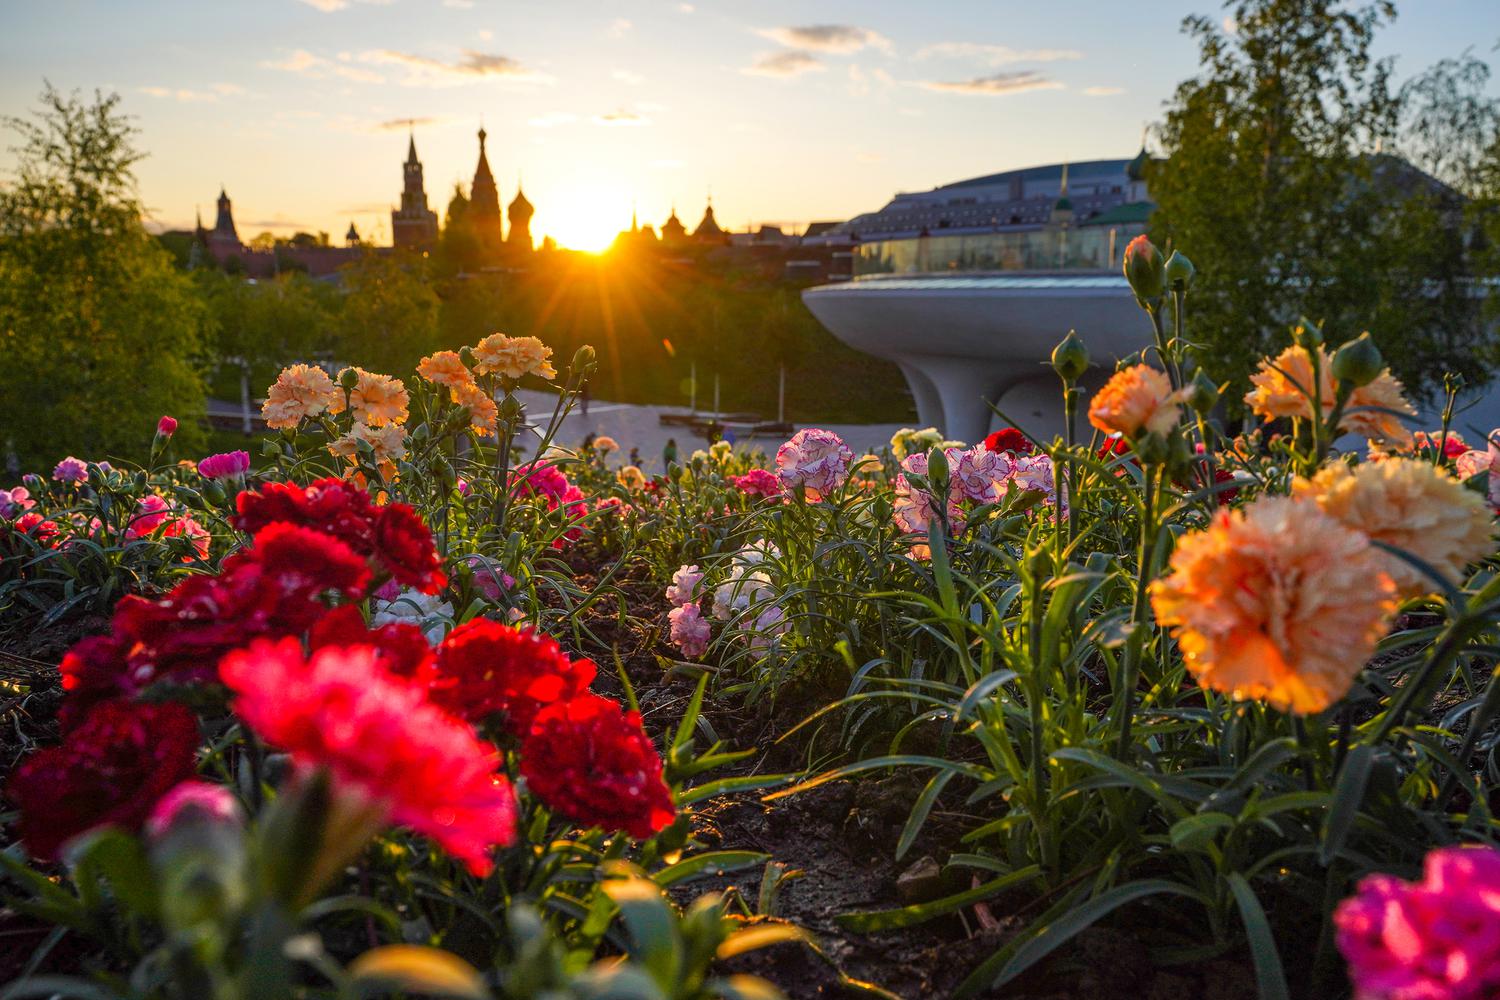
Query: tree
{"x": 390, "y": 315}
{"x": 1273, "y": 186}
{"x": 101, "y": 334}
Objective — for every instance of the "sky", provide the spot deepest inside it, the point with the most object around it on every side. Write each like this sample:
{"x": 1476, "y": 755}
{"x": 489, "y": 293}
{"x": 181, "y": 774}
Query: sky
{"x": 785, "y": 111}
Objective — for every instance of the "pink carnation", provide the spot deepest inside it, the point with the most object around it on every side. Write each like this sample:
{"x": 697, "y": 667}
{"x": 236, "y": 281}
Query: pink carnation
{"x": 684, "y": 586}
{"x": 769, "y": 626}
{"x": 1472, "y": 463}
{"x": 542, "y": 478}
{"x": 813, "y": 463}
{"x": 690, "y": 630}
{"x": 209, "y": 801}
{"x": 757, "y": 483}
{"x": 977, "y": 473}
{"x": 1434, "y": 939}
{"x": 166, "y": 426}
{"x": 71, "y": 470}
{"x": 230, "y": 463}
{"x": 489, "y": 579}
{"x": 15, "y": 502}
{"x": 151, "y": 512}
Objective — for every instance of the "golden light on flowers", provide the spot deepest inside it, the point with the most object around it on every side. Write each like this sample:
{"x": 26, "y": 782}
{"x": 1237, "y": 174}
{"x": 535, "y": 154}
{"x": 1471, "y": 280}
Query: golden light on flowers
{"x": 513, "y": 357}
{"x": 378, "y": 400}
{"x": 1278, "y": 602}
{"x": 1281, "y": 388}
{"x": 300, "y": 391}
{"x": 1135, "y": 400}
{"x": 632, "y": 478}
{"x": 387, "y": 442}
{"x": 482, "y": 409}
{"x": 1410, "y": 505}
{"x": 445, "y": 368}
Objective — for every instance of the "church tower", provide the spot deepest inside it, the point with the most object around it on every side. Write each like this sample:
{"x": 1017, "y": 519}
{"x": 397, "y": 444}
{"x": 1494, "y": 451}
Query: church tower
{"x": 708, "y": 230}
{"x": 520, "y": 213}
{"x": 484, "y": 200}
{"x": 224, "y": 240}
{"x": 414, "y": 226}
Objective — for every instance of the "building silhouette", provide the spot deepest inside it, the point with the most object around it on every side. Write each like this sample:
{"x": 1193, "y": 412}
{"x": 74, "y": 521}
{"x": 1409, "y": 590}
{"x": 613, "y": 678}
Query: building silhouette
{"x": 708, "y": 230}
{"x": 519, "y": 214}
{"x": 483, "y": 213}
{"x": 414, "y": 226}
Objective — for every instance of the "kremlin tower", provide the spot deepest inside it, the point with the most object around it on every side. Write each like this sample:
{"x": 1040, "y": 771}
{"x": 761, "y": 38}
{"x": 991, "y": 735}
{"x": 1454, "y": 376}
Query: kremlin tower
{"x": 484, "y": 201}
{"x": 414, "y": 226}
{"x": 519, "y": 213}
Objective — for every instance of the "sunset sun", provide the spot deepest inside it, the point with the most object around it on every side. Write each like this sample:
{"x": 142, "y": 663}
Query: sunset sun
{"x": 588, "y": 216}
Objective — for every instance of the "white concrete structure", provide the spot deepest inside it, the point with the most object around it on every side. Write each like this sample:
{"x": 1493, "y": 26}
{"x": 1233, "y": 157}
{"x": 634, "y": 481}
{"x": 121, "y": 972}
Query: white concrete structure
{"x": 964, "y": 341}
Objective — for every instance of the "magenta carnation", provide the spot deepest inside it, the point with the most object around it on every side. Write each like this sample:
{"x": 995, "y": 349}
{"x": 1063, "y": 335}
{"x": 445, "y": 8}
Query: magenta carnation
{"x": 1433, "y": 939}
{"x": 71, "y": 470}
{"x": 230, "y": 463}
{"x": 757, "y": 483}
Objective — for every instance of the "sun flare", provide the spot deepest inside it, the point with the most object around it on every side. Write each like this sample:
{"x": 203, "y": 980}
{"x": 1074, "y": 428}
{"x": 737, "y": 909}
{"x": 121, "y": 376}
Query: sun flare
{"x": 586, "y": 217}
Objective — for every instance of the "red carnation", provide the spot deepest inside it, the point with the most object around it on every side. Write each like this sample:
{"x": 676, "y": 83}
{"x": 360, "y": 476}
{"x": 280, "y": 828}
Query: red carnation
{"x": 587, "y": 759}
{"x": 485, "y": 667}
{"x": 111, "y": 769}
{"x": 757, "y": 483}
{"x": 401, "y": 648}
{"x": 332, "y": 506}
{"x": 403, "y": 544}
{"x": 1008, "y": 439}
{"x": 383, "y": 743}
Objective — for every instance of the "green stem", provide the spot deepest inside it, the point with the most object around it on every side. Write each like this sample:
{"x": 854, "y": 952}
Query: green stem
{"x": 1130, "y": 661}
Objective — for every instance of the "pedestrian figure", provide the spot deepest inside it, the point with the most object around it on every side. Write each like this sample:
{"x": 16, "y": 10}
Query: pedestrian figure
{"x": 669, "y": 453}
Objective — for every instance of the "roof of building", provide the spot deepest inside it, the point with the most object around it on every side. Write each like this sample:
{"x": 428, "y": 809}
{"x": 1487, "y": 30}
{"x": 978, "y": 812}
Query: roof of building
{"x": 708, "y": 226}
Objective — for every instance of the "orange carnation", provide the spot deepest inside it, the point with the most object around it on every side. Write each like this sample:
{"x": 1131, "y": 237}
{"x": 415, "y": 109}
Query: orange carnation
{"x": 1277, "y": 601}
{"x": 1282, "y": 387}
{"x": 1135, "y": 399}
{"x": 300, "y": 391}
{"x": 513, "y": 357}
{"x": 482, "y": 409}
{"x": 378, "y": 399}
{"x": 445, "y": 368}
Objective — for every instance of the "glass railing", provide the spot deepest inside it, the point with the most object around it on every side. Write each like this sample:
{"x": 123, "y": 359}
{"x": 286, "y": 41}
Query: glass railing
{"x": 1090, "y": 248}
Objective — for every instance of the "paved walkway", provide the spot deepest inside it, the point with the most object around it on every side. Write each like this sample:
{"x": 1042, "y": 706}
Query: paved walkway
{"x": 638, "y": 426}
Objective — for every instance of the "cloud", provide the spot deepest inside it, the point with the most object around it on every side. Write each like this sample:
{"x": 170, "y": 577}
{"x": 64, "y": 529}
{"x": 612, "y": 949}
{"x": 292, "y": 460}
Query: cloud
{"x": 552, "y": 119}
{"x": 304, "y": 63}
{"x": 619, "y": 28}
{"x": 183, "y": 95}
{"x": 402, "y": 124}
{"x": 864, "y": 157}
{"x": 621, "y": 117}
{"x": 838, "y": 38}
{"x": 1103, "y": 91}
{"x": 458, "y": 4}
{"x": 792, "y": 62}
{"x": 686, "y": 8}
{"x": 626, "y": 76}
{"x": 995, "y": 84}
{"x": 329, "y": 6}
{"x": 995, "y": 55}
{"x": 228, "y": 89}
{"x": 470, "y": 67}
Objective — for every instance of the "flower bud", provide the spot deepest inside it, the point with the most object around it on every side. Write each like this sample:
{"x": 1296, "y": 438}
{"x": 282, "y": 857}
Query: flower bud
{"x": 1307, "y": 335}
{"x": 466, "y": 355}
{"x": 166, "y": 427}
{"x": 583, "y": 358}
{"x": 349, "y": 379}
{"x": 510, "y": 409}
{"x": 1179, "y": 272}
{"x": 1202, "y": 394}
{"x": 1145, "y": 269}
{"x": 1070, "y": 358}
{"x": 1151, "y": 449}
{"x": 1358, "y": 362}
{"x": 937, "y": 471}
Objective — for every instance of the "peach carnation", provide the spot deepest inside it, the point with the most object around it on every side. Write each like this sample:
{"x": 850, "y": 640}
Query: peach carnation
{"x": 378, "y": 400}
{"x": 1277, "y": 601}
{"x": 445, "y": 368}
{"x": 300, "y": 391}
{"x": 513, "y": 357}
{"x": 1135, "y": 400}
{"x": 1282, "y": 388}
{"x": 1410, "y": 505}
{"x": 483, "y": 412}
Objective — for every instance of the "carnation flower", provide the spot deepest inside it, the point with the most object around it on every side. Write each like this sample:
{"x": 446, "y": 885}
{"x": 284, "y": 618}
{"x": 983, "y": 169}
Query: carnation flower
{"x": 757, "y": 483}
{"x": 300, "y": 392}
{"x": 400, "y": 647}
{"x": 813, "y": 463}
{"x": 378, "y": 400}
{"x": 689, "y": 630}
{"x": 1452, "y": 443}
{"x": 1009, "y": 439}
{"x": 907, "y": 441}
{"x": 588, "y": 760}
{"x": 197, "y": 535}
{"x": 485, "y": 667}
{"x": 604, "y": 444}
{"x": 483, "y": 413}
{"x": 1136, "y": 400}
{"x": 540, "y": 479}
{"x": 445, "y": 368}
{"x": 685, "y": 586}
{"x": 109, "y": 771}
{"x": 1276, "y": 601}
{"x": 166, "y": 426}
{"x": 382, "y": 742}
{"x": 770, "y": 625}
{"x": 225, "y": 466}
{"x": 194, "y": 799}
{"x": 745, "y": 584}
{"x": 14, "y": 502}
{"x": 151, "y": 512}
{"x": 1411, "y": 505}
{"x": 513, "y": 357}
{"x": 1472, "y": 463}
{"x": 428, "y": 613}
{"x": 632, "y": 478}
{"x": 489, "y": 579}
{"x": 914, "y": 509}
{"x": 404, "y": 545}
{"x": 1283, "y": 388}
{"x": 978, "y": 473}
{"x": 1437, "y": 938}
{"x": 71, "y": 470}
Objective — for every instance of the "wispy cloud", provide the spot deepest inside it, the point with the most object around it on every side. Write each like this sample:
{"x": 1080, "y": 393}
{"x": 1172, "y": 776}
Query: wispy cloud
{"x": 471, "y": 66}
{"x": 181, "y": 94}
{"x": 329, "y": 6}
{"x": 402, "y": 124}
{"x": 619, "y": 28}
{"x": 995, "y": 55}
{"x": 622, "y": 118}
{"x": 305, "y": 63}
{"x": 1102, "y": 91}
{"x": 997, "y": 84}
{"x": 789, "y": 63}
{"x": 837, "y": 38}
{"x": 628, "y": 76}
{"x": 686, "y": 8}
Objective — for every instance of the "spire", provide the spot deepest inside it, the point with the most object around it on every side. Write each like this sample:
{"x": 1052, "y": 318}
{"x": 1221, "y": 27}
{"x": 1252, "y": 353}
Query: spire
{"x": 1063, "y": 191}
{"x": 484, "y": 197}
{"x": 411, "y": 147}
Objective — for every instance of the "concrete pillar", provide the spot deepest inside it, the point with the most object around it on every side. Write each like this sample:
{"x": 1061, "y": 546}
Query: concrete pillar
{"x": 964, "y": 386}
{"x": 929, "y": 402}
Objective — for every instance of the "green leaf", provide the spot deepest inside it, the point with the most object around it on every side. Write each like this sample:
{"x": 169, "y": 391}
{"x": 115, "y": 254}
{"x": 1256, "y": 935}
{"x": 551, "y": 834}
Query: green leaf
{"x": 652, "y": 924}
{"x": 909, "y": 916}
{"x": 1196, "y": 832}
{"x": 1348, "y": 796}
{"x": 712, "y": 863}
{"x": 726, "y": 786}
{"x": 1270, "y": 980}
{"x": 920, "y": 811}
{"x": 419, "y": 969}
